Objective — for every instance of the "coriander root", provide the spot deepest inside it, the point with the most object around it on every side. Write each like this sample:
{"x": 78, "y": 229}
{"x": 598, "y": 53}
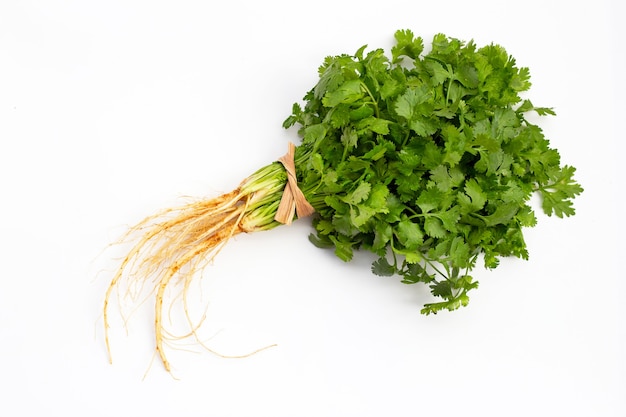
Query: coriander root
{"x": 177, "y": 243}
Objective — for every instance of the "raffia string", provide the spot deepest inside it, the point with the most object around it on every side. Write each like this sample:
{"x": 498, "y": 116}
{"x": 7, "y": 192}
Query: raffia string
{"x": 293, "y": 200}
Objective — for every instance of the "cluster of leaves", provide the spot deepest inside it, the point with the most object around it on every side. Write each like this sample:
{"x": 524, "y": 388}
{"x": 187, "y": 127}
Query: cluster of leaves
{"x": 428, "y": 160}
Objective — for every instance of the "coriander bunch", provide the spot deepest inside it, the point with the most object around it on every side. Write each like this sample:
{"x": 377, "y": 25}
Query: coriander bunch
{"x": 428, "y": 160}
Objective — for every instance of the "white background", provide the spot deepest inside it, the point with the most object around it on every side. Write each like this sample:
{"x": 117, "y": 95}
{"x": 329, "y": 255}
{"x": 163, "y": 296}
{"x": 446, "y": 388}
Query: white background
{"x": 112, "y": 110}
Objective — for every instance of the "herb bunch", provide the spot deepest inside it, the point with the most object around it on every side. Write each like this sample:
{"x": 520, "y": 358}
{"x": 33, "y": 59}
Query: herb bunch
{"x": 427, "y": 160}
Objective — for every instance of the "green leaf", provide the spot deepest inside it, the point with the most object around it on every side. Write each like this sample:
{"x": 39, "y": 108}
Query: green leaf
{"x": 422, "y": 125}
{"x": 382, "y": 235}
{"x": 450, "y": 218}
{"x": 441, "y": 289}
{"x": 454, "y": 144}
{"x": 444, "y": 179}
{"x": 459, "y": 252}
{"x": 315, "y": 133}
{"x": 361, "y": 214}
{"x": 379, "y": 198}
{"x": 409, "y": 234}
{"x": 414, "y": 272}
{"x": 383, "y": 268}
{"x": 324, "y": 227}
{"x": 474, "y": 198}
{"x": 374, "y": 124}
{"x": 359, "y": 194}
{"x": 364, "y": 111}
{"x": 431, "y": 156}
{"x": 408, "y": 104}
{"x": 467, "y": 74}
{"x": 320, "y": 242}
{"x": 526, "y": 217}
{"x": 434, "y": 227}
{"x": 521, "y": 80}
{"x": 410, "y": 256}
{"x": 557, "y": 196}
{"x": 408, "y": 161}
{"x": 391, "y": 88}
{"x": 502, "y": 215}
{"x": 453, "y": 304}
{"x": 429, "y": 200}
{"x": 406, "y": 45}
{"x": 343, "y": 248}
{"x": 438, "y": 73}
{"x": 544, "y": 111}
{"x": 317, "y": 163}
{"x": 346, "y": 93}
{"x": 349, "y": 138}
{"x": 376, "y": 153}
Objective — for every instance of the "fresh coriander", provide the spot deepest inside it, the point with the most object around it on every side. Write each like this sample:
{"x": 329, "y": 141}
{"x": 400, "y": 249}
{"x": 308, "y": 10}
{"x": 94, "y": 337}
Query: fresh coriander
{"x": 428, "y": 160}
{"x": 433, "y": 161}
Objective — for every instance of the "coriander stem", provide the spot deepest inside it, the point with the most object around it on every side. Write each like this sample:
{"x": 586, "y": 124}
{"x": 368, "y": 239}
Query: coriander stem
{"x": 374, "y": 102}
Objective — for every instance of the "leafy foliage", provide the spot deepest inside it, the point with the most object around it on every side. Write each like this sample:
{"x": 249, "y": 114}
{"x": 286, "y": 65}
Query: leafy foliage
{"x": 427, "y": 160}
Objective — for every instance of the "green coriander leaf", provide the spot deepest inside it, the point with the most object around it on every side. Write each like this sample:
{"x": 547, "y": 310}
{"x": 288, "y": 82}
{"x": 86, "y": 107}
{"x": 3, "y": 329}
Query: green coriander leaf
{"x": 338, "y": 116}
{"x": 526, "y": 217}
{"x": 544, "y": 111}
{"x": 441, "y": 289}
{"x": 364, "y": 111}
{"x": 315, "y": 133}
{"x": 391, "y": 88}
{"x": 513, "y": 193}
{"x": 413, "y": 106}
{"x": 557, "y": 196}
{"x": 459, "y": 252}
{"x": 378, "y": 198}
{"x": 434, "y": 227}
{"x": 359, "y": 194}
{"x": 320, "y": 242}
{"x": 437, "y": 71}
{"x": 346, "y": 93}
{"x": 429, "y": 200}
{"x": 343, "y": 248}
{"x": 349, "y": 138}
{"x": 374, "y": 124}
{"x": 361, "y": 214}
{"x": 527, "y": 106}
{"x": 317, "y": 163}
{"x": 296, "y": 112}
{"x": 450, "y": 218}
{"x": 453, "y": 304}
{"x": 324, "y": 227}
{"x": 410, "y": 257}
{"x": 383, "y": 268}
{"x": 454, "y": 144}
{"x": 502, "y": 215}
{"x": 432, "y": 156}
{"x": 406, "y": 45}
{"x": 446, "y": 179}
{"x": 413, "y": 273}
{"x": 521, "y": 80}
{"x": 409, "y": 234}
{"x": 382, "y": 235}
{"x": 467, "y": 74}
{"x": 344, "y": 224}
{"x": 474, "y": 198}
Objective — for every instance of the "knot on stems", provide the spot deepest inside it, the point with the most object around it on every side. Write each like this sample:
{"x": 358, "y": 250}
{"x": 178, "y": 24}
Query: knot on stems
{"x": 293, "y": 200}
